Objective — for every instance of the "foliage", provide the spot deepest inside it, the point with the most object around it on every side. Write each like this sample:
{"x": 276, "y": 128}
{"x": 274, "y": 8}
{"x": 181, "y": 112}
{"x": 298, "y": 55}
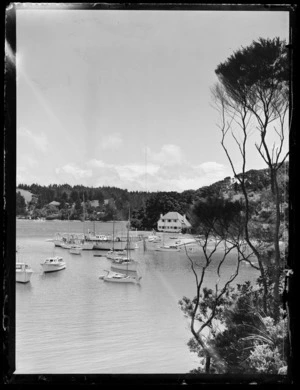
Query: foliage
{"x": 251, "y": 96}
{"x": 250, "y": 73}
{"x": 145, "y": 207}
{"x": 242, "y": 336}
{"x": 217, "y": 216}
{"x": 161, "y": 203}
{"x": 20, "y": 204}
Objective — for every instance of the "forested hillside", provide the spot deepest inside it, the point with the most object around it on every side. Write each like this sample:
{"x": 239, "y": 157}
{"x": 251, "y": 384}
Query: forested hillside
{"x": 145, "y": 208}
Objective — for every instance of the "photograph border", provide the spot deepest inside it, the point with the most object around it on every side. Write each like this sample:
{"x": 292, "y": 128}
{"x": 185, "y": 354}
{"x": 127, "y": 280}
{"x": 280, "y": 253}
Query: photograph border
{"x": 9, "y": 212}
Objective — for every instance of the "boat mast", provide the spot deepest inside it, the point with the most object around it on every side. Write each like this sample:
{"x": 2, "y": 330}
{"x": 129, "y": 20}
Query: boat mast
{"x": 128, "y": 227}
{"x": 113, "y": 248}
{"x": 83, "y": 209}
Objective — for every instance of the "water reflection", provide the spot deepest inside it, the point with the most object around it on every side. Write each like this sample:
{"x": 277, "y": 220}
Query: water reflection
{"x": 72, "y": 321}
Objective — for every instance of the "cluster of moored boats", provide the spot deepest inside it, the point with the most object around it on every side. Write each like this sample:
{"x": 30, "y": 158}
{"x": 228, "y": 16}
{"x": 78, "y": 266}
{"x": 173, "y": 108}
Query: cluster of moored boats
{"x": 51, "y": 264}
{"x": 119, "y": 262}
{"x": 93, "y": 241}
{"x": 124, "y": 269}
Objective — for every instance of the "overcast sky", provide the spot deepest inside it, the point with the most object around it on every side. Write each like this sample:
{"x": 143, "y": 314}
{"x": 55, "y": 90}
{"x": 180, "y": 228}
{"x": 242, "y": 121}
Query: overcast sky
{"x": 122, "y": 98}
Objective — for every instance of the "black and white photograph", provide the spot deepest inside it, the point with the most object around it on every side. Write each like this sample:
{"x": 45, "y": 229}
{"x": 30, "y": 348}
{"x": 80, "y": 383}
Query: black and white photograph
{"x": 152, "y": 166}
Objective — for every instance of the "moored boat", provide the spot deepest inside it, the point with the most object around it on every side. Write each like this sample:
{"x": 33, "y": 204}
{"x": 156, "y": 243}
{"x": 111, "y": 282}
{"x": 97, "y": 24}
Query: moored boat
{"x": 115, "y": 277}
{"x": 168, "y": 248}
{"x": 125, "y": 262}
{"x": 52, "y": 264}
{"x": 23, "y": 272}
{"x": 75, "y": 250}
{"x": 87, "y": 245}
{"x": 92, "y": 236}
{"x": 66, "y": 240}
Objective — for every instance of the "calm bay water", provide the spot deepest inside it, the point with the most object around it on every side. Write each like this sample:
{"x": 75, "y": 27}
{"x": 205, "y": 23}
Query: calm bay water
{"x": 73, "y": 322}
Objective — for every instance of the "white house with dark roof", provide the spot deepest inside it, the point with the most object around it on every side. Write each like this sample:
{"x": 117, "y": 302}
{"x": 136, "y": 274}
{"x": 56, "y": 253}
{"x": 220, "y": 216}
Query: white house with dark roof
{"x": 172, "y": 222}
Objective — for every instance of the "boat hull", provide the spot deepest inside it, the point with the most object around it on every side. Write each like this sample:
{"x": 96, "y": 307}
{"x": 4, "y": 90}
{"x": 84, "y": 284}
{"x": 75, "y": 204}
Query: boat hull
{"x": 121, "y": 280}
{"x": 88, "y": 246}
{"x": 23, "y": 277}
{"x": 58, "y": 243}
{"x": 53, "y": 264}
{"x": 75, "y": 251}
{"x": 23, "y": 273}
{"x": 52, "y": 268}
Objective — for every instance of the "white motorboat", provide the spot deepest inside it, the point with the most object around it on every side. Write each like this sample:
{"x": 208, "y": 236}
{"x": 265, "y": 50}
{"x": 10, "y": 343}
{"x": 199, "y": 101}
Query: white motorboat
{"x": 75, "y": 250}
{"x": 23, "y": 272}
{"x": 115, "y": 277}
{"x": 52, "y": 264}
{"x": 66, "y": 240}
{"x": 168, "y": 248}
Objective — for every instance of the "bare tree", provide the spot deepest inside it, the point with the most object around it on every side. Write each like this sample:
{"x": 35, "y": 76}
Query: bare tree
{"x": 217, "y": 238}
{"x": 253, "y": 93}
{"x": 251, "y": 98}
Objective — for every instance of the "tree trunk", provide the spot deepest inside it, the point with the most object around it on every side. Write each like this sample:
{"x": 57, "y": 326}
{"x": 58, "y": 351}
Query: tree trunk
{"x": 277, "y": 271}
{"x": 207, "y": 364}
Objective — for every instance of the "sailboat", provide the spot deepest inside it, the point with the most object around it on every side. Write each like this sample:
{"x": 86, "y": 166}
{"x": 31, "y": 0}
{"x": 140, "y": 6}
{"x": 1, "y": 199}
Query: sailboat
{"x": 86, "y": 245}
{"x": 167, "y": 248}
{"x": 114, "y": 254}
{"x": 116, "y": 277}
{"x": 126, "y": 264}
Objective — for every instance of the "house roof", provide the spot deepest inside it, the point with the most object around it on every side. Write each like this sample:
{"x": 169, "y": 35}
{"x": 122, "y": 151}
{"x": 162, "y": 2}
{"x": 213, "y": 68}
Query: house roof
{"x": 176, "y": 215}
{"x": 54, "y": 203}
{"x": 172, "y": 215}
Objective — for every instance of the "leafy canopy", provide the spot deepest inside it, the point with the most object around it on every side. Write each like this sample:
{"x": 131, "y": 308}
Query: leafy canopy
{"x": 259, "y": 68}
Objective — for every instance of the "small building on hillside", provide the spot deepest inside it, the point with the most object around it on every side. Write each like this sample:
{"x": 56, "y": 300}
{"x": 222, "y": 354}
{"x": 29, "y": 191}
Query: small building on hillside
{"x": 90, "y": 203}
{"x": 173, "y": 222}
{"x": 94, "y": 203}
{"x": 109, "y": 202}
{"x": 54, "y": 203}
